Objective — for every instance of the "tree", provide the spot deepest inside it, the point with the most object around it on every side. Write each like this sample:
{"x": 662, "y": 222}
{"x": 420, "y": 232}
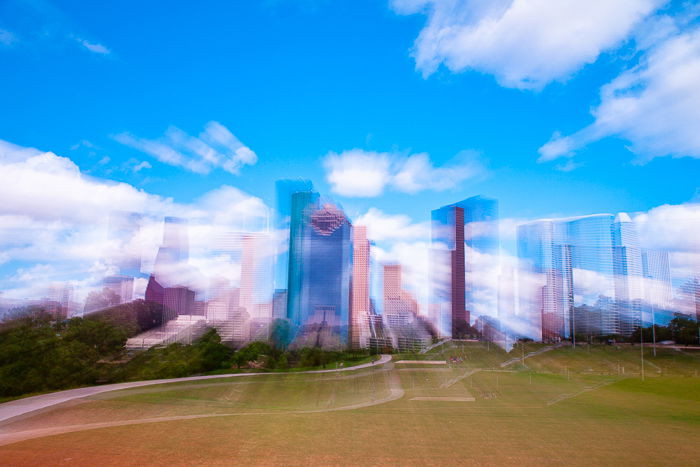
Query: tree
{"x": 281, "y": 333}
{"x": 100, "y": 299}
{"x": 212, "y": 353}
{"x": 684, "y": 330}
{"x": 314, "y": 356}
{"x": 102, "y": 337}
{"x": 134, "y": 317}
{"x": 251, "y": 353}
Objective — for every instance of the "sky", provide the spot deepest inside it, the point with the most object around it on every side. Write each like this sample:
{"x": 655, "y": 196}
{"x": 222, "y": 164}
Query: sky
{"x": 392, "y": 108}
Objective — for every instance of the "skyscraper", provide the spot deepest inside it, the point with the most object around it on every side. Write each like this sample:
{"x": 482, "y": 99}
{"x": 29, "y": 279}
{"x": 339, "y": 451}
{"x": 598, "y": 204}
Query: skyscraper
{"x": 124, "y": 228}
{"x": 173, "y": 254}
{"x": 284, "y": 189}
{"x": 482, "y": 242}
{"x": 628, "y": 274}
{"x": 302, "y": 205}
{"x": 545, "y": 276}
{"x": 256, "y": 280}
{"x": 360, "y": 304}
{"x": 447, "y": 275}
{"x": 123, "y": 286}
{"x": 400, "y": 306}
{"x": 409, "y": 331}
{"x": 177, "y": 301}
{"x": 465, "y": 263}
{"x": 594, "y": 272}
{"x": 320, "y": 268}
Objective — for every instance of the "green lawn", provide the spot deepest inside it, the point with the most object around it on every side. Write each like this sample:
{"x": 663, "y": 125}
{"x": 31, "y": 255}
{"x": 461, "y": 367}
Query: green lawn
{"x": 565, "y": 406}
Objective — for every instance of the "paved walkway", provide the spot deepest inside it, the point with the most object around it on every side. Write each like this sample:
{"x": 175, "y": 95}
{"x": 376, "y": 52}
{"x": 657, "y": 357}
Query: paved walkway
{"x": 20, "y": 407}
{"x": 395, "y": 392}
{"x": 432, "y": 346}
{"x": 531, "y": 354}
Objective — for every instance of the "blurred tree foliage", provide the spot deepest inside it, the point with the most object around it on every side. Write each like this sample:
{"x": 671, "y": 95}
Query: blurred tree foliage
{"x": 39, "y": 354}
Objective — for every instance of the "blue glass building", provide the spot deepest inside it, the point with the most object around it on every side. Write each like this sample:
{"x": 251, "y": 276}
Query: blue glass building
{"x": 284, "y": 189}
{"x": 481, "y": 237}
{"x": 320, "y": 269}
{"x": 593, "y": 272}
{"x": 460, "y": 232}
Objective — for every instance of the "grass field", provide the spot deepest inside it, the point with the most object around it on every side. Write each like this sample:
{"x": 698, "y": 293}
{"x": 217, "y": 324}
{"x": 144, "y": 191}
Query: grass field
{"x": 587, "y": 405}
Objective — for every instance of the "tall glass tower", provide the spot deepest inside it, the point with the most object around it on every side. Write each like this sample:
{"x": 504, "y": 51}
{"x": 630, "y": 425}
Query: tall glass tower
{"x": 628, "y": 273}
{"x": 447, "y": 275}
{"x": 284, "y": 189}
{"x": 303, "y": 203}
{"x": 461, "y": 232}
{"x": 481, "y": 238}
{"x": 545, "y": 254}
{"x": 320, "y": 269}
{"x": 593, "y": 270}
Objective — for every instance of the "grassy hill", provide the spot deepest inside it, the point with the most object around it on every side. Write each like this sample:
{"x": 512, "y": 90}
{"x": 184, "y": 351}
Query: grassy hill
{"x": 563, "y": 406}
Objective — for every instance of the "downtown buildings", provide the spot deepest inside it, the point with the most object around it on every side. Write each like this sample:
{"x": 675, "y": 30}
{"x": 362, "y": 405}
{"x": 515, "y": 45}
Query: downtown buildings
{"x": 465, "y": 243}
{"x": 596, "y": 280}
{"x": 313, "y": 269}
{"x": 320, "y": 270}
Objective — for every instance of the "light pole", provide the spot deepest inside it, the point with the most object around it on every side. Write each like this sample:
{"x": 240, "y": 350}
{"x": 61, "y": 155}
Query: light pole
{"x": 641, "y": 349}
{"x": 653, "y": 330}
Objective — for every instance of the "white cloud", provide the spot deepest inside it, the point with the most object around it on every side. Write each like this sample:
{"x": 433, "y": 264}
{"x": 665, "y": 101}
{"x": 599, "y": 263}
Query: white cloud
{"x": 523, "y": 43}
{"x": 142, "y": 165}
{"x": 361, "y": 173}
{"x": 655, "y": 105}
{"x": 231, "y": 207}
{"x": 47, "y": 186}
{"x": 94, "y": 47}
{"x": 357, "y": 172}
{"x": 59, "y": 218}
{"x": 673, "y": 228}
{"x": 214, "y": 147}
{"x": 391, "y": 227}
{"x": 6, "y": 37}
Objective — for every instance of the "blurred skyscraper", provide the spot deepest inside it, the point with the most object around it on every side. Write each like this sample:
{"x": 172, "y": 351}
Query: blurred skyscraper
{"x": 465, "y": 248}
{"x": 593, "y": 274}
{"x": 543, "y": 252}
{"x": 628, "y": 274}
{"x": 481, "y": 254}
{"x": 284, "y": 189}
{"x": 595, "y": 277}
{"x": 166, "y": 285}
{"x": 124, "y": 229}
{"x": 302, "y": 204}
{"x": 256, "y": 282}
{"x": 173, "y": 254}
{"x": 409, "y": 331}
{"x": 447, "y": 271}
{"x": 360, "y": 305}
{"x": 320, "y": 268}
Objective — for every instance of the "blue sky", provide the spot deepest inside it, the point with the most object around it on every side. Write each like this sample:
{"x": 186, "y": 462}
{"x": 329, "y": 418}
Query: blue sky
{"x": 301, "y": 83}
{"x": 295, "y": 80}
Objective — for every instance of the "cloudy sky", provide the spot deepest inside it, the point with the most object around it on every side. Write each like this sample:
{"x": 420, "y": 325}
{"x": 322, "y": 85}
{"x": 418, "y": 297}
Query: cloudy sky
{"x": 393, "y": 108}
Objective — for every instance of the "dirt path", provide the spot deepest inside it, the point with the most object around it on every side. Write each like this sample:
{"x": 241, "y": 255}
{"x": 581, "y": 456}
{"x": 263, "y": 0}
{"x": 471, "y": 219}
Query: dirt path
{"x": 531, "y": 354}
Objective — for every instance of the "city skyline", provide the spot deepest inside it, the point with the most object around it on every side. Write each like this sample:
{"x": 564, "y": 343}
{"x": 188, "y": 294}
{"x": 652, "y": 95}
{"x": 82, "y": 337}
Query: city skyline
{"x": 349, "y": 232}
{"x": 324, "y": 276}
{"x": 390, "y": 125}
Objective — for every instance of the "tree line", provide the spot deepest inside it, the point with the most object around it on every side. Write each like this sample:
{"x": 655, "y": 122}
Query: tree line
{"x": 39, "y": 353}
